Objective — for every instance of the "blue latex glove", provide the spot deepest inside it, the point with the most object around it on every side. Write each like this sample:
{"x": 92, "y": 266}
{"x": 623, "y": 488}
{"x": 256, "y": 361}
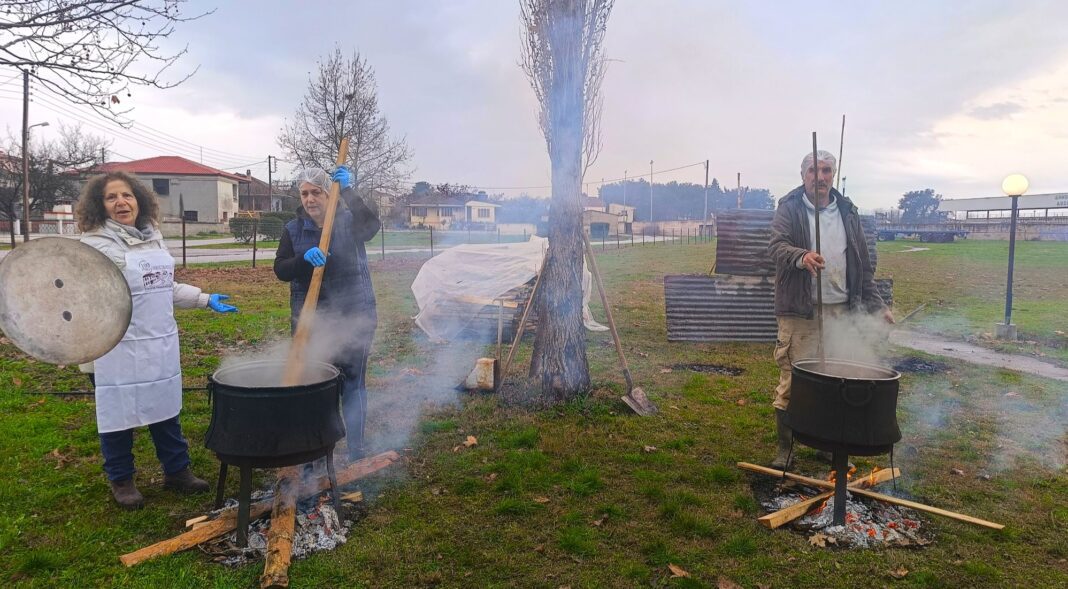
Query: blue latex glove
{"x": 315, "y": 257}
{"x": 215, "y": 303}
{"x": 344, "y": 176}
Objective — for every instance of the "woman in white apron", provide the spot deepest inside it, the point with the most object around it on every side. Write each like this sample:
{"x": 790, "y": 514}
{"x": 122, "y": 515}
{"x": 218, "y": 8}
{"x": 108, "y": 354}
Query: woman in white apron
{"x": 139, "y": 382}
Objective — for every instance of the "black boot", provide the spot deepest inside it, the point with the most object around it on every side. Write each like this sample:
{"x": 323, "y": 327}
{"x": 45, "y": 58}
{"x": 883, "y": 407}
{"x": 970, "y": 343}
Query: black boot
{"x": 782, "y": 456}
{"x": 127, "y": 495}
{"x": 184, "y": 481}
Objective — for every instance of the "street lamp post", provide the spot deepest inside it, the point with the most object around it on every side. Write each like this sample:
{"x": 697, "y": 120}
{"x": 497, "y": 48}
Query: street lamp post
{"x": 1013, "y": 185}
{"x": 651, "y": 194}
{"x": 26, "y": 179}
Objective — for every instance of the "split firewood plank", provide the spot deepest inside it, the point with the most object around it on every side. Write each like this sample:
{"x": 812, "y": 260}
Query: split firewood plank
{"x": 280, "y": 535}
{"x": 921, "y": 507}
{"x": 227, "y": 521}
{"x": 792, "y": 512}
{"x": 872, "y": 495}
{"x": 196, "y": 520}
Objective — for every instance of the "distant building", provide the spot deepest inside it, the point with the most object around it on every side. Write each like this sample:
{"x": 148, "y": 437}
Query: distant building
{"x": 445, "y": 212}
{"x": 602, "y": 219}
{"x": 1000, "y": 207}
{"x": 209, "y": 195}
{"x": 256, "y": 195}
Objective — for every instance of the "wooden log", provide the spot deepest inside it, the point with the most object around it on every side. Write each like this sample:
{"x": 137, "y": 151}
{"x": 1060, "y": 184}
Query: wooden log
{"x": 196, "y": 520}
{"x": 227, "y": 521}
{"x": 792, "y": 512}
{"x": 927, "y": 508}
{"x": 280, "y": 535}
{"x": 873, "y": 495}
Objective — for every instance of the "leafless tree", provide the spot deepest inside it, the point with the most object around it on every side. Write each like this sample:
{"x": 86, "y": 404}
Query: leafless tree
{"x": 92, "y": 51}
{"x": 342, "y": 101}
{"x": 53, "y": 170}
{"x": 563, "y": 57}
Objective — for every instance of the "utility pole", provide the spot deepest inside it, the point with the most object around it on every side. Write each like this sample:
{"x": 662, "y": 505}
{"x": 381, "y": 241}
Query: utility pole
{"x": 704, "y": 219}
{"x": 739, "y": 190}
{"x": 270, "y": 184}
{"x": 25, "y": 156}
{"x": 624, "y": 188}
{"x": 103, "y": 156}
{"x": 650, "y": 191}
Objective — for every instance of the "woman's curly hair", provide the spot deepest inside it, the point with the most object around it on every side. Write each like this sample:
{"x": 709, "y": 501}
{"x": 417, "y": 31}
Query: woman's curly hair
{"x": 90, "y": 210}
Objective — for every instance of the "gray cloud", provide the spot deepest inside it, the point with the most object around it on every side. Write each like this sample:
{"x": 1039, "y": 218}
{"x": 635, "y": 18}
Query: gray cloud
{"x": 1001, "y": 110}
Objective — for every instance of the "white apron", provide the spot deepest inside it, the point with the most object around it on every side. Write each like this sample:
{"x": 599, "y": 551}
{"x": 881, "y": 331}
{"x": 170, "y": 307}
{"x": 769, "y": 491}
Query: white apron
{"x": 139, "y": 382}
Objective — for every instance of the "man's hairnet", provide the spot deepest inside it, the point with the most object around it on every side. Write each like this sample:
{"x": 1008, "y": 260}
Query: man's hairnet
{"x": 316, "y": 176}
{"x": 825, "y": 156}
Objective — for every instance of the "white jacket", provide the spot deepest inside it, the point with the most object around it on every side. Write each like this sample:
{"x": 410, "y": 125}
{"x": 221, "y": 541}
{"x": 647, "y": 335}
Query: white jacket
{"x": 114, "y": 245}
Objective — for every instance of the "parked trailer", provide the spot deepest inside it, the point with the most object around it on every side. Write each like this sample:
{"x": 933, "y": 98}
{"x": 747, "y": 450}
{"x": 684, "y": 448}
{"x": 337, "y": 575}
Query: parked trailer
{"x": 924, "y": 235}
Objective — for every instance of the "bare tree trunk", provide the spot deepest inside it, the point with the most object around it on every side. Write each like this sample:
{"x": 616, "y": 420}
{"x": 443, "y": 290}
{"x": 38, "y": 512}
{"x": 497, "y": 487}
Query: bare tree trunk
{"x": 559, "y": 356}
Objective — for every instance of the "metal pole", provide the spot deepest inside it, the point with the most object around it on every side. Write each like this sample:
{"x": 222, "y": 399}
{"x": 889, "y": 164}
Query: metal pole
{"x": 651, "y": 194}
{"x": 841, "y": 144}
{"x": 181, "y": 212}
{"x": 740, "y": 190}
{"x": 255, "y": 237}
{"x": 1012, "y": 259}
{"x": 819, "y": 273}
{"x": 25, "y": 156}
{"x": 383, "y": 241}
{"x": 431, "y": 241}
{"x": 624, "y": 188}
{"x": 705, "y": 217}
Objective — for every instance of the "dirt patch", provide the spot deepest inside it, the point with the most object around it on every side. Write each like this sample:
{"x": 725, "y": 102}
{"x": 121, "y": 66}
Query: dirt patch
{"x": 710, "y": 369}
{"x": 261, "y": 275}
{"x": 913, "y": 365}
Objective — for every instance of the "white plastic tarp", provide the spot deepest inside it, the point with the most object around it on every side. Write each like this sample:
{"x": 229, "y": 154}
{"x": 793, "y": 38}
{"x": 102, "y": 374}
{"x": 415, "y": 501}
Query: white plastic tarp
{"x": 478, "y": 274}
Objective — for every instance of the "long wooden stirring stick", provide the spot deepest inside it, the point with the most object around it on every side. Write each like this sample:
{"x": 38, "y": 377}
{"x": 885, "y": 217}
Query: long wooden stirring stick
{"x": 295, "y": 364}
{"x": 819, "y": 272}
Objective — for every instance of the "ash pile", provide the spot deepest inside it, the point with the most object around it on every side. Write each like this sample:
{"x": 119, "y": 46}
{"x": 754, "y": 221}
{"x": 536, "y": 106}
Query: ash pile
{"x": 868, "y": 523}
{"x": 317, "y": 527}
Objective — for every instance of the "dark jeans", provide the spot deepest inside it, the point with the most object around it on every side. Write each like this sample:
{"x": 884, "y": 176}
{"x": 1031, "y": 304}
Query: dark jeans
{"x": 354, "y": 403}
{"x": 171, "y": 449}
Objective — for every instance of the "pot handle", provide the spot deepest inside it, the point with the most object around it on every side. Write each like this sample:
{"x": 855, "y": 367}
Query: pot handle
{"x": 853, "y": 401}
{"x": 211, "y": 389}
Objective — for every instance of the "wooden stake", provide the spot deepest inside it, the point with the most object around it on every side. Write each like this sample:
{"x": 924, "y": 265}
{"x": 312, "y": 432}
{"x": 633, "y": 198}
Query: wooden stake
{"x": 280, "y": 536}
{"x": 872, "y": 495}
{"x": 227, "y": 521}
{"x": 295, "y": 364}
{"x": 789, "y": 514}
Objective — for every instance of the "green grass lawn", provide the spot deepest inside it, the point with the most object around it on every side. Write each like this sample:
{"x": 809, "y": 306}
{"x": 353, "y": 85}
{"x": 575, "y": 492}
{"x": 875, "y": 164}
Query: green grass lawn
{"x": 963, "y": 285}
{"x": 566, "y": 496}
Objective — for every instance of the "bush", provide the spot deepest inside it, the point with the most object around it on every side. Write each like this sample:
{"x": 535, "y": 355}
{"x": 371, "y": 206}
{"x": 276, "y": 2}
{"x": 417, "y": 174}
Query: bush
{"x": 269, "y": 228}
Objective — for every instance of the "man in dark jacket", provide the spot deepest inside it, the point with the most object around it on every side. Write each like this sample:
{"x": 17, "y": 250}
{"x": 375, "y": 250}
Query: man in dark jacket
{"x": 346, "y": 296}
{"x": 847, "y": 279}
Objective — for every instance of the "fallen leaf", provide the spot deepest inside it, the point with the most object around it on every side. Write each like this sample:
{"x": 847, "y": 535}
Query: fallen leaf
{"x": 649, "y": 449}
{"x": 666, "y": 370}
{"x": 821, "y": 540}
{"x": 17, "y": 381}
{"x": 675, "y": 407}
{"x": 542, "y": 500}
{"x": 642, "y": 354}
{"x": 491, "y": 477}
{"x": 1012, "y": 394}
{"x": 677, "y": 572}
{"x": 740, "y": 402}
{"x": 725, "y": 583}
{"x": 598, "y": 522}
{"x": 899, "y": 573}
{"x": 470, "y": 441}
{"x": 37, "y": 403}
{"x": 539, "y": 548}
{"x": 957, "y": 472}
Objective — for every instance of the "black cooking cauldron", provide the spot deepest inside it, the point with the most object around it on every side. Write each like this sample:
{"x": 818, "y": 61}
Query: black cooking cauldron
{"x": 256, "y": 420}
{"x": 844, "y": 406}
{"x": 258, "y": 423}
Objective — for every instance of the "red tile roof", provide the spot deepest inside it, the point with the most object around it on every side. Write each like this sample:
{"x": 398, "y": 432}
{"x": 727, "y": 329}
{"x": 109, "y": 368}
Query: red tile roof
{"x": 171, "y": 165}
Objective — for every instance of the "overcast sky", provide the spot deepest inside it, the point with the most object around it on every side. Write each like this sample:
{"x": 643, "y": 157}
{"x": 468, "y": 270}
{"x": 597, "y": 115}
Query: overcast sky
{"x": 950, "y": 96}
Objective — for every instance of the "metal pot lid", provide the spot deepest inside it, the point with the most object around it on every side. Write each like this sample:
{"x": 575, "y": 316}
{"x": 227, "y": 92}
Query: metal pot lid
{"x": 63, "y": 302}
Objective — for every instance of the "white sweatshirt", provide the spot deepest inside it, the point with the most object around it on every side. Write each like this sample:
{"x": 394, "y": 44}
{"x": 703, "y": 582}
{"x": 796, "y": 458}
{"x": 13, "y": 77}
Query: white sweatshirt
{"x": 833, "y": 250}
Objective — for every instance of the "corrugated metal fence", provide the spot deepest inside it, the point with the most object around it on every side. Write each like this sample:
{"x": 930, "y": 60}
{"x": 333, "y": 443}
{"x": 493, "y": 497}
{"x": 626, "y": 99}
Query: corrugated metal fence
{"x": 738, "y": 303}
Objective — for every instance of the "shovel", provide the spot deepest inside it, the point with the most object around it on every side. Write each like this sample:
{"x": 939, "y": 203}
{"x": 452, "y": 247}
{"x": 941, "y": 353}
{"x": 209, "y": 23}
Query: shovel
{"x": 635, "y": 397}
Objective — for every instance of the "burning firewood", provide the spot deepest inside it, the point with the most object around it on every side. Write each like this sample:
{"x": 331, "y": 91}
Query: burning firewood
{"x": 227, "y": 520}
{"x": 788, "y": 514}
{"x": 872, "y": 495}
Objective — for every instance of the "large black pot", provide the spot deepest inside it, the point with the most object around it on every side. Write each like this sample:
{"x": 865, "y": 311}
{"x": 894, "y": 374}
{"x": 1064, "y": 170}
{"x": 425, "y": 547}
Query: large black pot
{"x": 257, "y": 422}
{"x": 844, "y": 406}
